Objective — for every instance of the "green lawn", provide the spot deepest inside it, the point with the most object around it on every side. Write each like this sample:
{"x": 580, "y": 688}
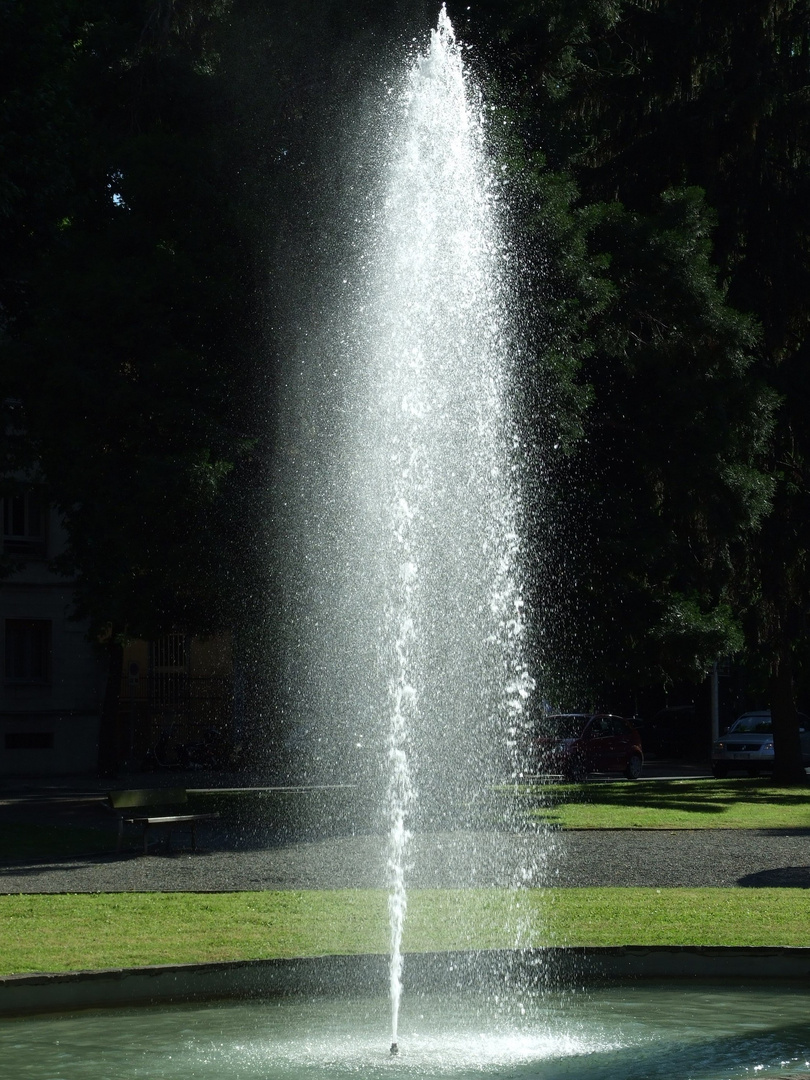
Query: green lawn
{"x": 739, "y": 803}
{"x": 666, "y": 804}
{"x": 70, "y": 932}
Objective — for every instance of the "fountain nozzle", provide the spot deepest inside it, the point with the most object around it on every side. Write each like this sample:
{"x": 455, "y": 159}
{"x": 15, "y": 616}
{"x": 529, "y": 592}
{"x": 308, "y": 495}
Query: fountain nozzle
{"x": 394, "y": 1049}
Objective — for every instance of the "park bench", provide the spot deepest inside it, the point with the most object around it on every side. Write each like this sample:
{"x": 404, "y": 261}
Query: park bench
{"x": 154, "y": 806}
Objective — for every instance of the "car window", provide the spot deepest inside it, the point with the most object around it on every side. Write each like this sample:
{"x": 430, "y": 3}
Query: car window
{"x": 761, "y": 725}
{"x": 561, "y": 727}
{"x": 605, "y": 726}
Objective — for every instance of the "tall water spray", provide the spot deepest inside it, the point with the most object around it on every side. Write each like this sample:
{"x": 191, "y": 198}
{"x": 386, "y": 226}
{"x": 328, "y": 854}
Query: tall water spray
{"x": 397, "y": 486}
{"x": 442, "y": 455}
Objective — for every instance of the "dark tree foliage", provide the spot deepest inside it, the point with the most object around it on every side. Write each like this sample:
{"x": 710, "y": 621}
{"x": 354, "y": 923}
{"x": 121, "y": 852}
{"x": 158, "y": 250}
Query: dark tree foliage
{"x": 129, "y": 284}
{"x": 36, "y": 128}
{"x": 636, "y": 537}
{"x": 648, "y": 505}
{"x": 126, "y": 289}
{"x": 165, "y": 187}
{"x": 634, "y": 100}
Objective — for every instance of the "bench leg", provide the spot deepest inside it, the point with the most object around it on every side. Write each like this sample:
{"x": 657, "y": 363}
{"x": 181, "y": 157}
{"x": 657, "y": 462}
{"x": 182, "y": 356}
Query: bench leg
{"x": 120, "y": 842}
{"x": 194, "y": 836}
{"x": 146, "y": 838}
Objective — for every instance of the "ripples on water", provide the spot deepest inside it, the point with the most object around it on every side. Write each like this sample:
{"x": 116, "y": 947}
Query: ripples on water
{"x": 682, "y": 1031}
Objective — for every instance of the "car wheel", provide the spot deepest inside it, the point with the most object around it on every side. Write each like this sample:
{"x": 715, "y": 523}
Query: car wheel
{"x": 719, "y": 770}
{"x": 634, "y": 767}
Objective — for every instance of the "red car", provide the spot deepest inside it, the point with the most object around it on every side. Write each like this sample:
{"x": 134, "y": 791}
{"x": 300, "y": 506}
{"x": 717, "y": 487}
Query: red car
{"x": 575, "y": 744}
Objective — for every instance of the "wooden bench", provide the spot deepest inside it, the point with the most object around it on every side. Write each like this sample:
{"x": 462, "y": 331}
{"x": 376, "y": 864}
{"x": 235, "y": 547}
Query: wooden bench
{"x": 153, "y": 806}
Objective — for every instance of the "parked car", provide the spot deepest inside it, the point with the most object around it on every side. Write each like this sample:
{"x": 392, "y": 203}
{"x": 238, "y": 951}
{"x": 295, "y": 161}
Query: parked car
{"x": 575, "y": 744}
{"x": 747, "y": 746}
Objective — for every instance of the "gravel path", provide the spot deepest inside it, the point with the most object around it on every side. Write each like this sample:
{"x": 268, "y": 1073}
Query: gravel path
{"x": 656, "y": 858}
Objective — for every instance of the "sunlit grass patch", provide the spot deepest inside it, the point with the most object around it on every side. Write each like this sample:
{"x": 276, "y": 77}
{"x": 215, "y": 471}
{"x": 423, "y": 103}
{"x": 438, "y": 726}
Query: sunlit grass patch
{"x": 666, "y": 804}
{"x": 109, "y": 930}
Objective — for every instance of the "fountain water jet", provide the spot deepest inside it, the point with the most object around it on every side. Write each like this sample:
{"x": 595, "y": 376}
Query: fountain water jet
{"x": 397, "y": 482}
{"x": 437, "y": 454}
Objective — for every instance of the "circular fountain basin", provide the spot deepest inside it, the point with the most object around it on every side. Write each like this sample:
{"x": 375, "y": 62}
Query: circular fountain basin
{"x": 642, "y": 1029}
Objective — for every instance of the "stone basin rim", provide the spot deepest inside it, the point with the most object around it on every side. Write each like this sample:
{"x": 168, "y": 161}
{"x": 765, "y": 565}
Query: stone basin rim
{"x": 45, "y": 992}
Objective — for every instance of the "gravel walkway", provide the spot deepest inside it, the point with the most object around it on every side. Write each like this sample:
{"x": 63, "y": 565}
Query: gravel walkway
{"x": 655, "y": 858}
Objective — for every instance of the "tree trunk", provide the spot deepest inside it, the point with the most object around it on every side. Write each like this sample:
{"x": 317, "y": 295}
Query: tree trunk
{"x": 788, "y": 767}
{"x": 108, "y": 730}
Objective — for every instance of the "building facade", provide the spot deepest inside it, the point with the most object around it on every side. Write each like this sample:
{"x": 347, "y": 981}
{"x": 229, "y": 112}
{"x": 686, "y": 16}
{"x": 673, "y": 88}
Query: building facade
{"x": 53, "y": 675}
{"x": 176, "y": 703}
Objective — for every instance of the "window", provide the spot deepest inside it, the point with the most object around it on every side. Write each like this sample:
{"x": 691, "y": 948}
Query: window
{"x": 24, "y": 524}
{"x": 169, "y": 681}
{"x": 28, "y": 651}
{"x": 169, "y": 652}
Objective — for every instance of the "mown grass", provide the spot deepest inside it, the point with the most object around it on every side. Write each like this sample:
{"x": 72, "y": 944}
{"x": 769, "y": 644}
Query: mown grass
{"x": 736, "y": 803}
{"x": 666, "y": 804}
{"x": 107, "y": 930}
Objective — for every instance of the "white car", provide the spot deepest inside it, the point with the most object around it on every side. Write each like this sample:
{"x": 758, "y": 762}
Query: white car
{"x": 748, "y": 744}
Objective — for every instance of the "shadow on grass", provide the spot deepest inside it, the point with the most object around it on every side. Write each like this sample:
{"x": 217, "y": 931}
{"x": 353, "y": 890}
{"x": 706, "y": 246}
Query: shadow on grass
{"x": 56, "y": 865}
{"x": 249, "y": 820}
{"x": 686, "y": 796}
{"x": 278, "y": 817}
{"x": 27, "y": 840}
{"x": 781, "y": 877}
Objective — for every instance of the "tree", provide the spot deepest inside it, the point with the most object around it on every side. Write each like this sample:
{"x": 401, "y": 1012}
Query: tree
{"x": 650, "y": 505}
{"x": 741, "y": 86}
{"x": 130, "y": 289}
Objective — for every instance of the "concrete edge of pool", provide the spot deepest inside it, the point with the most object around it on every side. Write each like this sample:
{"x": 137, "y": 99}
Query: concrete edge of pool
{"x": 47, "y": 992}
